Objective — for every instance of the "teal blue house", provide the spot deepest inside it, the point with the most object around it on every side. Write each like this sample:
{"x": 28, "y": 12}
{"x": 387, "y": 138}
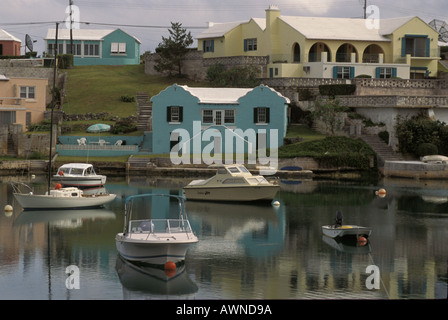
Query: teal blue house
{"x": 218, "y": 120}
{"x": 95, "y": 47}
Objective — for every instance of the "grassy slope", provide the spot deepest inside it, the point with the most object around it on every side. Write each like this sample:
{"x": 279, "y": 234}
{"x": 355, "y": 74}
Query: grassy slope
{"x": 99, "y": 88}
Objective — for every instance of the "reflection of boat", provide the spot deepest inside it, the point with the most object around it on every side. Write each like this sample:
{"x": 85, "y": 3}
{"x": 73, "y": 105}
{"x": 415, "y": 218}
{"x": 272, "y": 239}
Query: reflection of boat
{"x": 61, "y": 198}
{"x": 333, "y": 231}
{"x": 155, "y": 241}
{"x": 139, "y": 278}
{"x": 63, "y": 218}
{"x": 347, "y": 246}
{"x": 231, "y": 183}
{"x": 78, "y": 175}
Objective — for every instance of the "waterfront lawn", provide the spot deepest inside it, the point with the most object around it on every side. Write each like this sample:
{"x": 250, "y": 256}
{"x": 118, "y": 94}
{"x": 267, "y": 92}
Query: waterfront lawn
{"x": 96, "y": 89}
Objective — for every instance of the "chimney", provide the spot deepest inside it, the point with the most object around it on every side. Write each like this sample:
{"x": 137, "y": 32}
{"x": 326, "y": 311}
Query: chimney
{"x": 272, "y": 13}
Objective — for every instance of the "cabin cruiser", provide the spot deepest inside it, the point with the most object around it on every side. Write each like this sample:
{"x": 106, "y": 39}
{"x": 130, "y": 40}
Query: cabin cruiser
{"x": 81, "y": 175}
{"x": 232, "y": 183}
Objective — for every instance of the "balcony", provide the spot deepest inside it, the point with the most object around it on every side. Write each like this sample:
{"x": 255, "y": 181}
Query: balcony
{"x": 7, "y": 103}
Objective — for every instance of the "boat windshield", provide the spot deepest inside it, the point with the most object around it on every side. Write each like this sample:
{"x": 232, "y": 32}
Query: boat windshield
{"x": 233, "y": 169}
{"x": 243, "y": 169}
{"x": 77, "y": 171}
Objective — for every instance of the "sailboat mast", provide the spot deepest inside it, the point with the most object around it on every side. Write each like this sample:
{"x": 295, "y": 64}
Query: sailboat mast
{"x": 53, "y": 104}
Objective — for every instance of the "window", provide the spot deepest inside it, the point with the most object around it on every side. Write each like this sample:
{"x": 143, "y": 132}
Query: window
{"x": 7, "y": 117}
{"x": 91, "y": 49}
{"x": 208, "y": 46}
{"x": 218, "y": 117}
{"x": 174, "y": 114}
{"x": 416, "y": 46}
{"x": 52, "y": 46}
{"x": 207, "y": 116}
{"x": 261, "y": 115}
{"x": 76, "y": 49}
{"x": 250, "y": 44}
{"x": 229, "y": 116}
{"x": 27, "y": 92}
{"x": 385, "y": 73}
{"x": 118, "y": 47}
{"x": 343, "y": 72}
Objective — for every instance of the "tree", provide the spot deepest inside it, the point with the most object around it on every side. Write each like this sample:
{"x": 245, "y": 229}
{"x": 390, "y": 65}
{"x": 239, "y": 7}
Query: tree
{"x": 173, "y": 49}
{"x": 329, "y": 113}
{"x": 243, "y": 77}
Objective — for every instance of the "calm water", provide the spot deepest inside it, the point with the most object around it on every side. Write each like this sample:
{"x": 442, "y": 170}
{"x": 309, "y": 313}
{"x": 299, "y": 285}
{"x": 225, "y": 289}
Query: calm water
{"x": 244, "y": 251}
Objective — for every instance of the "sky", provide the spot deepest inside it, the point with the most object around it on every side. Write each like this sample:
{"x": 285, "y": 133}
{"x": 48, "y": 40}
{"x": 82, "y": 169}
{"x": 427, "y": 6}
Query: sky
{"x": 149, "y": 20}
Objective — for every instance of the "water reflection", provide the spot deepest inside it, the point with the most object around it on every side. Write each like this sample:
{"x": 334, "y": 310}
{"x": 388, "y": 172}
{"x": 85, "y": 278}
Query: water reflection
{"x": 142, "y": 281}
{"x": 244, "y": 251}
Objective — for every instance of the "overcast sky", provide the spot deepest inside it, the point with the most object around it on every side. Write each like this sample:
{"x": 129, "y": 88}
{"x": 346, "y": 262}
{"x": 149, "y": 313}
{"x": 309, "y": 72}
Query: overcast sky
{"x": 149, "y": 20}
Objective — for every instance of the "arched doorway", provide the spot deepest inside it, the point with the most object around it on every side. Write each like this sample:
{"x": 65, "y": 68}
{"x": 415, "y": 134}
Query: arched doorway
{"x": 344, "y": 53}
{"x": 296, "y": 53}
{"x": 314, "y": 55}
{"x": 371, "y": 54}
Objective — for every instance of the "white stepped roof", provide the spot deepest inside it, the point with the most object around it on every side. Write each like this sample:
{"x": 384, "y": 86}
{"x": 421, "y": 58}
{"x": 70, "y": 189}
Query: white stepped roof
{"x": 6, "y": 36}
{"x": 81, "y": 34}
{"x": 324, "y": 28}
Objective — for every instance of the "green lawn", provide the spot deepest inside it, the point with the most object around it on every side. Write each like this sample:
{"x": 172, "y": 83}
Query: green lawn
{"x": 99, "y": 88}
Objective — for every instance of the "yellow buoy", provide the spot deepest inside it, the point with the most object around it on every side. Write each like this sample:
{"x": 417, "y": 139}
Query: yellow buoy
{"x": 8, "y": 208}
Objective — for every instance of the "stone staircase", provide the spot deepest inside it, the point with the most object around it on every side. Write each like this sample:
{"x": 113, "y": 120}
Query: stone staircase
{"x": 11, "y": 147}
{"x": 144, "y": 112}
{"x": 383, "y": 151}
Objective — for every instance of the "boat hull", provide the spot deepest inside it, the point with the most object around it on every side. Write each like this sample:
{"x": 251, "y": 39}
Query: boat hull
{"x": 80, "y": 182}
{"x": 40, "y": 202}
{"x": 243, "y": 193}
{"x": 153, "y": 251}
{"x": 346, "y": 231}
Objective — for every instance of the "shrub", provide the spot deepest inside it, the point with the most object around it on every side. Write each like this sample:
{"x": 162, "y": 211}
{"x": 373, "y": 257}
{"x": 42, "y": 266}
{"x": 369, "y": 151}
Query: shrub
{"x": 425, "y": 149}
{"x": 125, "y": 125}
{"x": 65, "y": 61}
{"x": 412, "y": 132}
{"x": 126, "y": 98}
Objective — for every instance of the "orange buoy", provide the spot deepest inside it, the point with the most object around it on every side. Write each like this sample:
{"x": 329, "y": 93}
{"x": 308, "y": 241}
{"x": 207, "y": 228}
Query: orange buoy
{"x": 381, "y": 193}
{"x": 57, "y": 186}
{"x": 170, "y": 268}
{"x": 362, "y": 241}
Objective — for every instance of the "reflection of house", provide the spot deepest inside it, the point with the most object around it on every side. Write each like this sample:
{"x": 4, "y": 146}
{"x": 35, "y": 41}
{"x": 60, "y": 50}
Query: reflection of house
{"x": 96, "y": 47}
{"x": 9, "y": 45}
{"x": 218, "y": 111}
{"x": 327, "y": 47}
{"x": 22, "y": 100}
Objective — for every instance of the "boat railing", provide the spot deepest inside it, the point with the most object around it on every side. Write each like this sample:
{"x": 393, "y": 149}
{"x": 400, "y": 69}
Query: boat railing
{"x": 20, "y": 187}
{"x": 154, "y": 226}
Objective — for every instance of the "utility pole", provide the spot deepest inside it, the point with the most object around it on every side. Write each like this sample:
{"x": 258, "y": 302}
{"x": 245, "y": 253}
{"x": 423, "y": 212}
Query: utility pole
{"x": 70, "y": 2}
{"x": 365, "y": 8}
{"x": 53, "y": 104}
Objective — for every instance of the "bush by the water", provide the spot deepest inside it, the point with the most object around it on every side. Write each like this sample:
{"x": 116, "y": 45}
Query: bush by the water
{"x": 332, "y": 152}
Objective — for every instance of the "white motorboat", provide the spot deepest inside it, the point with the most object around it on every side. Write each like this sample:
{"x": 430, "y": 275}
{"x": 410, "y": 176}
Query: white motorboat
{"x": 59, "y": 198}
{"x": 340, "y": 231}
{"x": 155, "y": 241}
{"x": 232, "y": 183}
{"x": 81, "y": 175}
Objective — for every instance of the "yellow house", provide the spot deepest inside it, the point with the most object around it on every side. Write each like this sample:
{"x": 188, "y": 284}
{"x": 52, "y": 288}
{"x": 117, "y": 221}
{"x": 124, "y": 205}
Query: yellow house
{"x": 319, "y": 47}
{"x": 22, "y": 100}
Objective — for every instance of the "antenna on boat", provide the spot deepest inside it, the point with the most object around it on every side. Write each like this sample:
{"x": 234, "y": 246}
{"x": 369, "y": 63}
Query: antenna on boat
{"x": 53, "y": 103}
